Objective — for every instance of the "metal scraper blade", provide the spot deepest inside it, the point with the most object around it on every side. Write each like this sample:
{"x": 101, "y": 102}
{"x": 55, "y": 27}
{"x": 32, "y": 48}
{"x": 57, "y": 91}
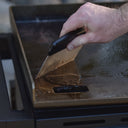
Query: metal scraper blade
{"x": 57, "y": 60}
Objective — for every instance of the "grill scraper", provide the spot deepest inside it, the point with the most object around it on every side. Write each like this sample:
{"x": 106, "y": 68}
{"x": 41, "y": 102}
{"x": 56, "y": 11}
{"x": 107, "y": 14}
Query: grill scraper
{"x": 58, "y": 55}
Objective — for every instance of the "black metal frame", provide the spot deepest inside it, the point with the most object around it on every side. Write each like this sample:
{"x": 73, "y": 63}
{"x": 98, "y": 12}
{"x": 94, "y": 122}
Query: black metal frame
{"x": 10, "y": 118}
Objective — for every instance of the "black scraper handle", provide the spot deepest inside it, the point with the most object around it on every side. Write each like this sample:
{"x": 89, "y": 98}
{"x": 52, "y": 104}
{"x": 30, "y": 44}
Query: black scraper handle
{"x": 63, "y": 41}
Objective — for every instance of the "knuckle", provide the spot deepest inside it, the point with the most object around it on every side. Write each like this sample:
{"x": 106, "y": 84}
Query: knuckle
{"x": 84, "y": 9}
{"x": 75, "y": 44}
{"x": 81, "y": 7}
{"x": 91, "y": 37}
{"x": 86, "y": 5}
{"x": 81, "y": 12}
{"x": 64, "y": 26}
{"x": 81, "y": 41}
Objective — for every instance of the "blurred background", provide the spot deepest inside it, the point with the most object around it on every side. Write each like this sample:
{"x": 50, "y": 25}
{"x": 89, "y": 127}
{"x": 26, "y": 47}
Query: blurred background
{"x": 54, "y": 1}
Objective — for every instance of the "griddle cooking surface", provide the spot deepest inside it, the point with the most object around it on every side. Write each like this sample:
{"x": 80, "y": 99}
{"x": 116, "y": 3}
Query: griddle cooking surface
{"x": 103, "y": 67}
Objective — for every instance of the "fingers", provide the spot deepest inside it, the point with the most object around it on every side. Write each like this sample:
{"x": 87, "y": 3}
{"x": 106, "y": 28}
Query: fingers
{"x": 78, "y": 41}
{"x": 89, "y": 37}
{"x": 71, "y": 24}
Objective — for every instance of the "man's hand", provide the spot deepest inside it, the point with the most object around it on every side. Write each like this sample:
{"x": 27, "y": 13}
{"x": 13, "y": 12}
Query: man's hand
{"x": 101, "y": 24}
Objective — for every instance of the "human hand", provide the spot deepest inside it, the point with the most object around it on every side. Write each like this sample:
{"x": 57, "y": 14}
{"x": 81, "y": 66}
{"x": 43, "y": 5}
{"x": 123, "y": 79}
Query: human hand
{"x": 101, "y": 24}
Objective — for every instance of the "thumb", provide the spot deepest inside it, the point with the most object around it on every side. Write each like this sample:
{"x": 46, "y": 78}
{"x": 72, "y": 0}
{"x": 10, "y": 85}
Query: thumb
{"x": 78, "y": 41}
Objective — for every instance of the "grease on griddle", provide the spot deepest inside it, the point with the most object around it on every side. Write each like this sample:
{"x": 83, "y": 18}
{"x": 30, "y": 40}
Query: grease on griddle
{"x": 65, "y": 79}
{"x": 67, "y": 74}
{"x": 48, "y": 88}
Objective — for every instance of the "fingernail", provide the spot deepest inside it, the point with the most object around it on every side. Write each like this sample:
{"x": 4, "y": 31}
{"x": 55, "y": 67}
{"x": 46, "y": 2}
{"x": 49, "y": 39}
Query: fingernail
{"x": 70, "y": 47}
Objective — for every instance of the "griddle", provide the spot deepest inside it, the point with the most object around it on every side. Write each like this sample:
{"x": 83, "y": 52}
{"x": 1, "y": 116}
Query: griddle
{"x": 90, "y": 116}
{"x": 10, "y": 117}
{"x": 103, "y": 67}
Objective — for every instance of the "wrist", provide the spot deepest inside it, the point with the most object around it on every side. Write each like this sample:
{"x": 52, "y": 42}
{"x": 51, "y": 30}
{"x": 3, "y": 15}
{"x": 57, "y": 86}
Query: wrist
{"x": 123, "y": 18}
{"x": 121, "y": 22}
{"x": 124, "y": 13}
